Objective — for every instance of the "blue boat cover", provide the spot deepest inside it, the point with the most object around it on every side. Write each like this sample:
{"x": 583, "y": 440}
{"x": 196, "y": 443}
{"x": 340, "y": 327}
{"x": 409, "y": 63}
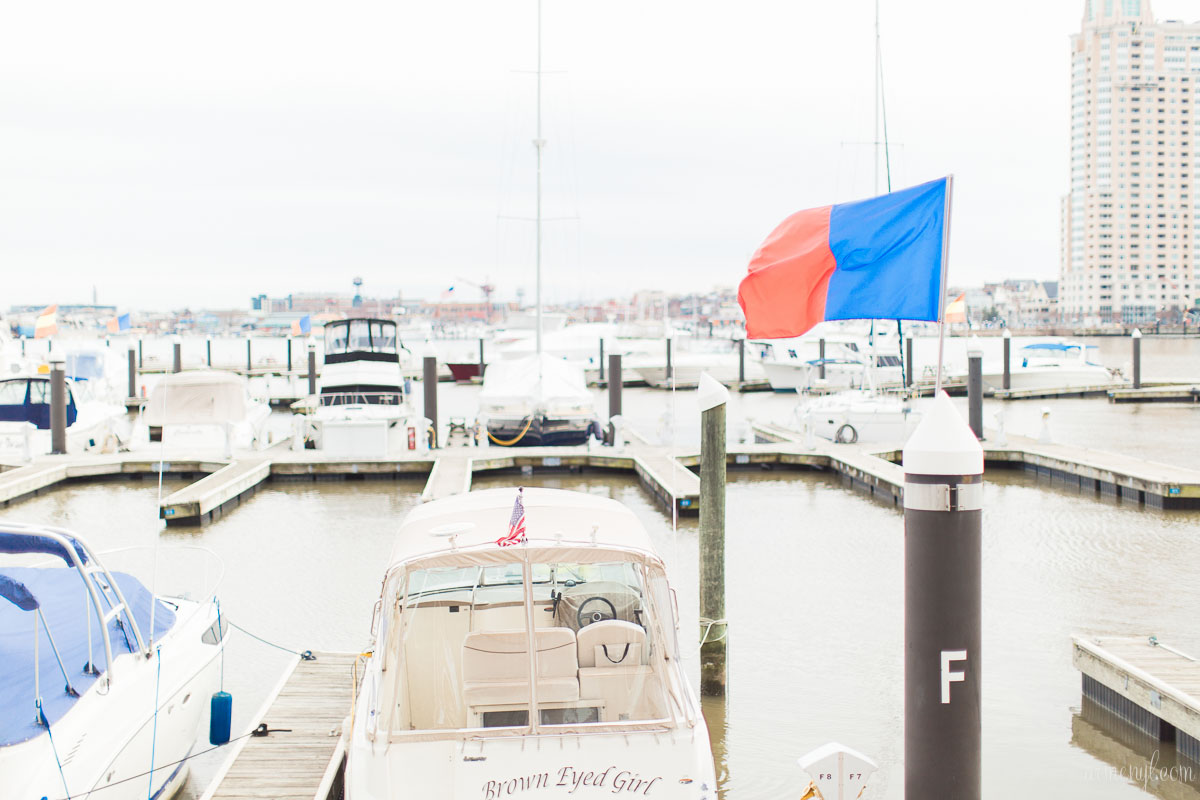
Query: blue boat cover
{"x": 31, "y": 543}
{"x": 62, "y": 597}
{"x": 1050, "y": 346}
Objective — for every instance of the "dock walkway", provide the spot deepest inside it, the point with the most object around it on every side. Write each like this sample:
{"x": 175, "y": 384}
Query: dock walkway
{"x": 1149, "y": 684}
{"x": 302, "y": 759}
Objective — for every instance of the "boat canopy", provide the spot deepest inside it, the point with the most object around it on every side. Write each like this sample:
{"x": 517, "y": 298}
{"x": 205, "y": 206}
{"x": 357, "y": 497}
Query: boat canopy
{"x": 16, "y": 543}
{"x": 360, "y": 339}
{"x": 553, "y": 519}
{"x": 202, "y": 397}
{"x": 84, "y": 365}
{"x": 1058, "y": 347}
{"x": 537, "y": 380}
{"x": 59, "y": 597}
{"x": 28, "y": 400}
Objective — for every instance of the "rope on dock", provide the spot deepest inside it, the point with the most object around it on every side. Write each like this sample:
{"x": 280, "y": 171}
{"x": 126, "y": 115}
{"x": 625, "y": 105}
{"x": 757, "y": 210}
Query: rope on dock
{"x": 520, "y": 435}
{"x": 709, "y": 625}
{"x": 305, "y": 655}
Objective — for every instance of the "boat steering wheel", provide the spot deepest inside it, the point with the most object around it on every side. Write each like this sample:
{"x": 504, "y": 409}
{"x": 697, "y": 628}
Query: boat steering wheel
{"x": 585, "y": 618}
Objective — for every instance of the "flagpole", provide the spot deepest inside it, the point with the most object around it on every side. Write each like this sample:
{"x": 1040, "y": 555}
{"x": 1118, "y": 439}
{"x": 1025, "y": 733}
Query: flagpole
{"x": 942, "y": 286}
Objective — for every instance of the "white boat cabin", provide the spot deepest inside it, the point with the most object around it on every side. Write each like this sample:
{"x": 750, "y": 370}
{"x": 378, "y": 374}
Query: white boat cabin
{"x": 450, "y": 677}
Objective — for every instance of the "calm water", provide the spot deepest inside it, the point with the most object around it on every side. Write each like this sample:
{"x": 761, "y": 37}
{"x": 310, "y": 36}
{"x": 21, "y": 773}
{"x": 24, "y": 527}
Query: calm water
{"x": 815, "y": 596}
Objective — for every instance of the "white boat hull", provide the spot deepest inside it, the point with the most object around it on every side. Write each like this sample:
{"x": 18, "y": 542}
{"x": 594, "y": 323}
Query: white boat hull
{"x": 105, "y": 742}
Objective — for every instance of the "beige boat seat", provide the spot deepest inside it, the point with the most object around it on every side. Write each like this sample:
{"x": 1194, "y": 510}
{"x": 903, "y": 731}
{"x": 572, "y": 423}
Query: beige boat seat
{"x": 495, "y": 667}
{"x": 613, "y": 671}
{"x": 611, "y": 643}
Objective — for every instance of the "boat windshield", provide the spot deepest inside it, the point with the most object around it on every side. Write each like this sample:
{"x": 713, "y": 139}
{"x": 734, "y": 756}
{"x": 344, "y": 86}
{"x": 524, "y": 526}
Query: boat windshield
{"x": 360, "y": 336}
{"x": 460, "y": 657}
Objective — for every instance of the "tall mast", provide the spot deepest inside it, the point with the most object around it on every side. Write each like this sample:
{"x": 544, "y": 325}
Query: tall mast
{"x": 875, "y": 151}
{"x": 538, "y": 144}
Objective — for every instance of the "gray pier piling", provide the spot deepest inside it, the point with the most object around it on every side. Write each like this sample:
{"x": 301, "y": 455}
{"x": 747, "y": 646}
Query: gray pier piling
{"x": 1137, "y": 358}
{"x": 430, "y": 383}
{"x": 58, "y": 405}
{"x": 713, "y": 400}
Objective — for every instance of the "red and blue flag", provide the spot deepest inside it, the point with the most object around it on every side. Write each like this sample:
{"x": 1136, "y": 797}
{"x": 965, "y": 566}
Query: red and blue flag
{"x": 880, "y": 258}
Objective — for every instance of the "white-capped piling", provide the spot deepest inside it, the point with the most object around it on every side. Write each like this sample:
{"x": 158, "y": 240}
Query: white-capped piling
{"x": 741, "y": 345}
{"x": 430, "y": 381}
{"x": 713, "y": 399}
{"x": 1137, "y": 358}
{"x": 58, "y": 405}
{"x": 943, "y": 500}
{"x": 975, "y": 388}
{"x": 176, "y": 355}
{"x": 1006, "y": 381}
{"x": 821, "y": 359}
{"x": 601, "y": 362}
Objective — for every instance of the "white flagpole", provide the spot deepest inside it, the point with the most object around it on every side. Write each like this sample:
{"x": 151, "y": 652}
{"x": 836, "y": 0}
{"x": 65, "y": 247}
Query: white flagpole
{"x": 942, "y": 286}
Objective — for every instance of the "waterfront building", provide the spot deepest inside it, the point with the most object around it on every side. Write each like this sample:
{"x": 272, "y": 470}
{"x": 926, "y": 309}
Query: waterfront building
{"x": 1127, "y": 254}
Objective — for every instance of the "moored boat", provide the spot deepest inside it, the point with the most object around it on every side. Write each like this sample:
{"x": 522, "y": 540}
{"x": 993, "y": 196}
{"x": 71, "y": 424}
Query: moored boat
{"x": 456, "y": 703}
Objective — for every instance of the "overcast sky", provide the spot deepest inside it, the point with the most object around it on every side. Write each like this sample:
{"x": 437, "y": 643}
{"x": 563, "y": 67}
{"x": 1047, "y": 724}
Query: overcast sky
{"x": 179, "y": 155}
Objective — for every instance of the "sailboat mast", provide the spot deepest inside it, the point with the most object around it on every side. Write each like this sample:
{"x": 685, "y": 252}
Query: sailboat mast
{"x": 538, "y": 144}
{"x": 875, "y": 151}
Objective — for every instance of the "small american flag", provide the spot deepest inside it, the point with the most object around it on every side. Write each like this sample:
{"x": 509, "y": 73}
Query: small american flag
{"x": 516, "y": 525}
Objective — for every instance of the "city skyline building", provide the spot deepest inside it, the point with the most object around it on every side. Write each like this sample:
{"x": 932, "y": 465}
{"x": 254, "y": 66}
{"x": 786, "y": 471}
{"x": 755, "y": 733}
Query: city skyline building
{"x": 1127, "y": 252}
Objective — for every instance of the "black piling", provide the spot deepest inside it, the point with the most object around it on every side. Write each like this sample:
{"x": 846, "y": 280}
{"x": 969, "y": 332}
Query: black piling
{"x": 249, "y": 354}
{"x": 312, "y": 369}
{"x": 670, "y": 367}
{"x": 133, "y": 373}
{"x": 602, "y": 361}
{"x": 208, "y": 352}
{"x": 741, "y": 344}
{"x": 821, "y": 359}
{"x": 177, "y": 356}
{"x": 975, "y": 392}
{"x": 908, "y": 362}
{"x": 943, "y": 492}
{"x": 430, "y": 381}
{"x": 481, "y": 362}
{"x": 58, "y": 407}
{"x": 1007, "y": 380}
{"x": 289, "y": 355}
{"x": 1137, "y": 358}
{"x": 614, "y": 385}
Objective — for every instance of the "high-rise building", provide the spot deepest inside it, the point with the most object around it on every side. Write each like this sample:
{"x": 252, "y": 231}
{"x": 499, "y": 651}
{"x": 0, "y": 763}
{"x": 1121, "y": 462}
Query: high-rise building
{"x": 1127, "y": 249}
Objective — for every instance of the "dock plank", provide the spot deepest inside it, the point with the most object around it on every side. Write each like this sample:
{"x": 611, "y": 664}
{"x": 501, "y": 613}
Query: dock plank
{"x": 313, "y": 702}
{"x": 211, "y": 492}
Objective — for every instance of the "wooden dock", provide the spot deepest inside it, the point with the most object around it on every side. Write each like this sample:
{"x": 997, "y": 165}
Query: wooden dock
{"x": 301, "y": 757}
{"x": 1175, "y": 393}
{"x": 209, "y": 495}
{"x": 1151, "y": 685}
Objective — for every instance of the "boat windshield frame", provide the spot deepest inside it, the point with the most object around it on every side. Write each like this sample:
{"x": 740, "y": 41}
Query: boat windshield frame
{"x": 662, "y": 621}
{"x": 361, "y": 337}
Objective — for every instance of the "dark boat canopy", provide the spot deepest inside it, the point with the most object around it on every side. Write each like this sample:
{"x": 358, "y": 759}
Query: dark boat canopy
{"x": 361, "y": 340}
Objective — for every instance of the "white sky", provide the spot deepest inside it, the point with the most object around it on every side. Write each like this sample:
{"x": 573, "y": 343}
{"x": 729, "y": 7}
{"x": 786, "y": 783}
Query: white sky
{"x": 188, "y": 155}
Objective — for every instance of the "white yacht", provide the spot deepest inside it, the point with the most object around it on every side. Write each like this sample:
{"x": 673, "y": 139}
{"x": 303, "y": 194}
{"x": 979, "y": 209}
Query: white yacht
{"x": 96, "y": 700}
{"x": 363, "y": 410}
{"x": 92, "y": 424}
{"x": 1052, "y": 364}
{"x": 536, "y": 401}
{"x": 794, "y": 365}
{"x": 447, "y": 707}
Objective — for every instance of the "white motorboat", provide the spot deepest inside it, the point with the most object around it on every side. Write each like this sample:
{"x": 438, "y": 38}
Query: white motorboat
{"x": 536, "y": 401}
{"x": 1052, "y": 364}
{"x": 363, "y": 410}
{"x": 92, "y": 424}
{"x": 447, "y": 707}
{"x": 795, "y": 365}
{"x": 858, "y": 416}
{"x": 686, "y": 369}
{"x": 95, "y": 699}
{"x": 207, "y": 408}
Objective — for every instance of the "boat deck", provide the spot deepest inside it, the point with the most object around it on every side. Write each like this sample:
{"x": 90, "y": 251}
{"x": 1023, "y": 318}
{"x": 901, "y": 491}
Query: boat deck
{"x": 301, "y": 758}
